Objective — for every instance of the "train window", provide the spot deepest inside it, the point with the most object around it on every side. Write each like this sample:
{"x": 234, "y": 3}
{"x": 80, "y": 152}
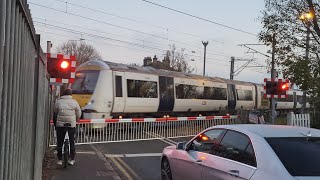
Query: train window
{"x": 184, "y": 91}
{"x": 118, "y": 86}
{"x": 289, "y": 99}
{"x": 85, "y": 82}
{"x": 300, "y": 99}
{"x": 244, "y": 95}
{"x": 190, "y": 92}
{"x": 214, "y": 93}
{"x": 180, "y": 91}
{"x": 143, "y": 89}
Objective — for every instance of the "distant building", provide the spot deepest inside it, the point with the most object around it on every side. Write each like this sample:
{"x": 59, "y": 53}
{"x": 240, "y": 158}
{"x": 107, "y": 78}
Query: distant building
{"x": 153, "y": 62}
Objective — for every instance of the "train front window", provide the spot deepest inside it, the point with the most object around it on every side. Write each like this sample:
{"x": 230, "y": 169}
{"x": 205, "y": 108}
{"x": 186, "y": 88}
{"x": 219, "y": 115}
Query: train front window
{"x": 85, "y": 82}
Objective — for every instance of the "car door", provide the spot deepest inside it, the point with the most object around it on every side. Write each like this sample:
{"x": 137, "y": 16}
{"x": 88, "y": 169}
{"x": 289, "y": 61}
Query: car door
{"x": 188, "y": 163}
{"x": 232, "y": 159}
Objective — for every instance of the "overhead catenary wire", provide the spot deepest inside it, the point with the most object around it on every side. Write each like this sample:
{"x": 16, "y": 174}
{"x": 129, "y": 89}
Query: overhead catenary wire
{"x": 117, "y": 26}
{"x": 112, "y": 39}
{"x": 107, "y": 38}
{"x": 95, "y": 20}
{"x": 137, "y": 21}
{"x": 200, "y": 18}
{"x": 121, "y": 27}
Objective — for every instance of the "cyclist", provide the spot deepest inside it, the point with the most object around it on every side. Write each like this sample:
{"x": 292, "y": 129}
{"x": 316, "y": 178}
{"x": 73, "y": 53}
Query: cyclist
{"x": 66, "y": 110}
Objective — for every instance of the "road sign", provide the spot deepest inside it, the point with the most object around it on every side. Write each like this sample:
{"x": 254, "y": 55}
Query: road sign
{"x": 61, "y": 68}
{"x": 276, "y": 88}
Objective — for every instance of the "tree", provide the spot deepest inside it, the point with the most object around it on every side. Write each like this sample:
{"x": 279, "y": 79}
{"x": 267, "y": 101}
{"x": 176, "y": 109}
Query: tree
{"x": 177, "y": 59}
{"x": 282, "y": 18}
{"x": 84, "y": 52}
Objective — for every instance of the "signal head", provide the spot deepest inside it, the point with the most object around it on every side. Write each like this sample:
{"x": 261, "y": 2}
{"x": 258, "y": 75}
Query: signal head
{"x": 64, "y": 64}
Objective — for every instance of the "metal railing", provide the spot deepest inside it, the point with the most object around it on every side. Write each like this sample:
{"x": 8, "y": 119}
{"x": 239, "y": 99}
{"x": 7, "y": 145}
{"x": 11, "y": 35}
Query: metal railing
{"x": 24, "y": 94}
{"x": 116, "y": 130}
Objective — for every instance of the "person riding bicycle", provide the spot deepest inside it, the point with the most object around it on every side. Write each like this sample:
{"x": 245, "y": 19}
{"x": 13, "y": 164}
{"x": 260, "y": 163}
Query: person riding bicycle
{"x": 66, "y": 110}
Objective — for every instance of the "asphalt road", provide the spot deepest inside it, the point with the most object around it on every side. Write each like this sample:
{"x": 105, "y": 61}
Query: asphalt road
{"x": 137, "y": 159}
{"x": 131, "y": 160}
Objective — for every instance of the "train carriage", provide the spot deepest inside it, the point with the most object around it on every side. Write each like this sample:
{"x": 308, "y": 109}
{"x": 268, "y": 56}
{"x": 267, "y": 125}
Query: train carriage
{"x": 108, "y": 90}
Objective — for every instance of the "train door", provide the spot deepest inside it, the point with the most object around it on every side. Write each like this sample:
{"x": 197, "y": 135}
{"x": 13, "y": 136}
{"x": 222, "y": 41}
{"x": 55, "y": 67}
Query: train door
{"x": 231, "y": 96}
{"x": 166, "y": 89}
{"x": 119, "y": 96}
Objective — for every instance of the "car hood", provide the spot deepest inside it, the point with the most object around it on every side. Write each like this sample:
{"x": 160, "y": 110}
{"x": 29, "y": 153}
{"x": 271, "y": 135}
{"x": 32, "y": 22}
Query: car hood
{"x": 307, "y": 177}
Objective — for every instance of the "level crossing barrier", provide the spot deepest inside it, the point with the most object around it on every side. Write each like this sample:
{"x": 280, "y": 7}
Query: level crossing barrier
{"x": 90, "y": 131}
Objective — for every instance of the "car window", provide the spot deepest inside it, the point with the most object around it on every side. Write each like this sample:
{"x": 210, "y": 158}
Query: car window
{"x": 205, "y": 141}
{"x": 300, "y": 155}
{"x": 236, "y": 146}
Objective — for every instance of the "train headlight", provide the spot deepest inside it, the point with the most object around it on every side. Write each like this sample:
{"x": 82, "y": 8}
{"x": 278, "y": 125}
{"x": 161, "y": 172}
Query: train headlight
{"x": 91, "y": 102}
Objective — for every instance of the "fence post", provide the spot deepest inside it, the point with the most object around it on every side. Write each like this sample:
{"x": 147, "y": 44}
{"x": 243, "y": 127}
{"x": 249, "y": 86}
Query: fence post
{"x": 290, "y": 118}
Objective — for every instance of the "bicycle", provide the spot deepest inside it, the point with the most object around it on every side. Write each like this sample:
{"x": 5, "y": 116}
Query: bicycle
{"x": 66, "y": 146}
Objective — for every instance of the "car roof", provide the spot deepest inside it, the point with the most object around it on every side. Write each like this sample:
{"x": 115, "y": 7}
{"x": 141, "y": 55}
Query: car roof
{"x": 268, "y": 131}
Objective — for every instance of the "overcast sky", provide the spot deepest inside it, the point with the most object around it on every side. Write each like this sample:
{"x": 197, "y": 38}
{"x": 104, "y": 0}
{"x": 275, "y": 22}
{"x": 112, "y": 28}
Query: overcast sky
{"x": 126, "y": 31}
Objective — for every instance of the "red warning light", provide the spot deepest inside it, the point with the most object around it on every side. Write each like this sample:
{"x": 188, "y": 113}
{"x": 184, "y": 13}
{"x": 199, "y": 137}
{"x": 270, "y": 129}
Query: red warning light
{"x": 285, "y": 86}
{"x": 64, "y": 64}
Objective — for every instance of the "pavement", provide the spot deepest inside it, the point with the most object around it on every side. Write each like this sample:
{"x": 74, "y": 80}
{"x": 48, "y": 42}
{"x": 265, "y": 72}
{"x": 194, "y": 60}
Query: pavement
{"x": 131, "y": 160}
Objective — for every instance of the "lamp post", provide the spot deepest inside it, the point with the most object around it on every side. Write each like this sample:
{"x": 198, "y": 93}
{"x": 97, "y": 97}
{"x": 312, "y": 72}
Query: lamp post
{"x": 204, "y": 58}
{"x": 306, "y": 18}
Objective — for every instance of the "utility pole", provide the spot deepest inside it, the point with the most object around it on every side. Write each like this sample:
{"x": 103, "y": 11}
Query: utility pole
{"x": 204, "y": 59}
{"x": 232, "y": 68}
{"x": 273, "y": 75}
{"x": 49, "y": 46}
{"x": 304, "y": 96}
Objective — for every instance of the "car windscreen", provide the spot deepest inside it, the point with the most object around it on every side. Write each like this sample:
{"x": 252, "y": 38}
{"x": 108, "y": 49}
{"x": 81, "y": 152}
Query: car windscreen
{"x": 300, "y": 155}
{"x": 85, "y": 82}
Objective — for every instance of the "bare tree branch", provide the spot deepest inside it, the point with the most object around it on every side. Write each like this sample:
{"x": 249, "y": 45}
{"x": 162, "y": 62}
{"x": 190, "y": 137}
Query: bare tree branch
{"x": 83, "y": 52}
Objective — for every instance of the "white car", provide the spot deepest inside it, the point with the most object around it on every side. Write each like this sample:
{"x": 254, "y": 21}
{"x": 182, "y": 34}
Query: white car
{"x": 255, "y": 152}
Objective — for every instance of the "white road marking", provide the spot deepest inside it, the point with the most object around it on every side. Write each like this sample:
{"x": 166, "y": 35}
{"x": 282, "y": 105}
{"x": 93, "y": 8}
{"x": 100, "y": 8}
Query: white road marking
{"x": 134, "y": 155}
{"x": 83, "y": 152}
{"x": 163, "y": 139}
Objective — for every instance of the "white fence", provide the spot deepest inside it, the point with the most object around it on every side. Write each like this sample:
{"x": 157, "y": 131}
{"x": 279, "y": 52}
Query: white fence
{"x": 115, "y": 130}
{"x": 302, "y": 120}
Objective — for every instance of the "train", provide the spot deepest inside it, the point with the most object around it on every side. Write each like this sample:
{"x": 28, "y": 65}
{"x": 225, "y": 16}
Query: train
{"x": 112, "y": 90}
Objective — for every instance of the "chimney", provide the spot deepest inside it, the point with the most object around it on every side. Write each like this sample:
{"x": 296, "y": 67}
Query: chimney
{"x": 155, "y": 59}
{"x": 147, "y": 61}
{"x": 166, "y": 61}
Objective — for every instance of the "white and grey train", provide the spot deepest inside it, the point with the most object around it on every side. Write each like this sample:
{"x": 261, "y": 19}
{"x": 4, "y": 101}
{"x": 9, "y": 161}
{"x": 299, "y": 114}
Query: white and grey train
{"x": 112, "y": 90}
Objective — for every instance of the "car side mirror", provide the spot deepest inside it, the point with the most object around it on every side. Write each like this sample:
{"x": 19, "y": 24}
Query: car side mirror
{"x": 180, "y": 145}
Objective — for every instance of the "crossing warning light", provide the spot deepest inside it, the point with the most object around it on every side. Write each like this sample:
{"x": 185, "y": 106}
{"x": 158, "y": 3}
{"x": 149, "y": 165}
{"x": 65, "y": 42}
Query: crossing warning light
{"x": 61, "y": 68}
{"x": 64, "y": 64}
{"x": 276, "y": 88}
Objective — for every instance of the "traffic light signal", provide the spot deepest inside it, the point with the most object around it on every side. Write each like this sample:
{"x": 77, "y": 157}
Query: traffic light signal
{"x": 276, "y": 88}
{"x": 59, "y": 68}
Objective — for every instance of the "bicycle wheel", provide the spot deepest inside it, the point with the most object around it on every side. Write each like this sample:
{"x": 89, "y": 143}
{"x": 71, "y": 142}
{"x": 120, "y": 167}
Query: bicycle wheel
{"x": 66, "y": 154}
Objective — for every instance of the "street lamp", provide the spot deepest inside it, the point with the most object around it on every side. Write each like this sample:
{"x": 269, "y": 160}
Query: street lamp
{"x": 306, "y": 18}
{"x": 204, "y": 58}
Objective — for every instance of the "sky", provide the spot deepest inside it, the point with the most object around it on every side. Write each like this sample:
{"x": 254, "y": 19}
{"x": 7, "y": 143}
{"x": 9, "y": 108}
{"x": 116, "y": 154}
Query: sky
{"x": 126, "y": 31}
